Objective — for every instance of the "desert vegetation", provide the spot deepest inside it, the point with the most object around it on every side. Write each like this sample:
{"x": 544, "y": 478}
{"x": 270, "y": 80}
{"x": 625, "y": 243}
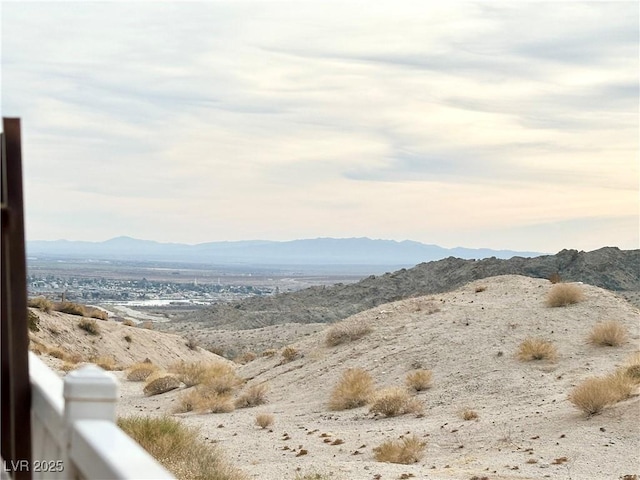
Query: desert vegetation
{"x": 289, "y": 354}
{"x": 89, "y": 325}
{"x": 468, "y": 414}
{"x": 419, "y": 380}
{"x": 394, "y": 401}
{"x": 253, "y": 396}
{"x": 405, "y": 450}
{"x": 139, "y": 372}
{"x": 264, "y": 420}
{"x": 608, "y": 334}
{"x": 564, "y": 294}
{"x": 536, "y": 349}
{"x": 41, "y": 303}
{"x": 179, "y": 449}
{"x": 346, "y": 331}
{"x": 594, "y": 394}
{"x": 218, "y": 375}
{"x": 354, "y": 389}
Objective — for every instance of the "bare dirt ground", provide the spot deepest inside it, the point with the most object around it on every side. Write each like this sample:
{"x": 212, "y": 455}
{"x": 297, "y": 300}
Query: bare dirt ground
{"x": 526, "y": 428}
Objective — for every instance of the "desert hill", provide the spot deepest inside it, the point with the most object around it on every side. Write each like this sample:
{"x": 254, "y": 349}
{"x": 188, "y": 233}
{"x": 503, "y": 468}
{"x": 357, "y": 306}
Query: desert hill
{"x": 59, "y": 333}
{"x": 608, "y": 267}
{"x": 525, "y": 427}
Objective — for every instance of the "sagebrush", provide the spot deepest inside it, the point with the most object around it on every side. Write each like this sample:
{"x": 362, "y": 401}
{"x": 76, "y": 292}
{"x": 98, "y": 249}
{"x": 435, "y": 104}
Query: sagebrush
{"x": 394, "y": 401}
{"x": 346, "y": 331}
{"x": 536, "y": 349}
{"x": 608, "y": 334}
{"x": 419, "y": 380}
{"x": 564, "y": 294}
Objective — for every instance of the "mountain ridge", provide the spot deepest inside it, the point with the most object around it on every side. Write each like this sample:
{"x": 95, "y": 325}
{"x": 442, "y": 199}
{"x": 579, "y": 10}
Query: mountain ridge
{"x": 322, "y": 250}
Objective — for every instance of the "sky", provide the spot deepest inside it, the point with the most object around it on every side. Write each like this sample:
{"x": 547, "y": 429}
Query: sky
{"x": 506, "y": 125}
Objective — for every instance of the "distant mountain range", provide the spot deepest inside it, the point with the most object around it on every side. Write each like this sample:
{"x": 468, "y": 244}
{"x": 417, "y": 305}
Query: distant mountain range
{"x": 318, "y": 251}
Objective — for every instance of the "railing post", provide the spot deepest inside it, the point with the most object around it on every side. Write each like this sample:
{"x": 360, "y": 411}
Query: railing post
{"x": 90, "y": 393}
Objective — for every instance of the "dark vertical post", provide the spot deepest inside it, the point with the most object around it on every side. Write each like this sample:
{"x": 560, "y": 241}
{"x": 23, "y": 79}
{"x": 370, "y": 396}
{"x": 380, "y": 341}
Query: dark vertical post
{"x": 15, "y": 346}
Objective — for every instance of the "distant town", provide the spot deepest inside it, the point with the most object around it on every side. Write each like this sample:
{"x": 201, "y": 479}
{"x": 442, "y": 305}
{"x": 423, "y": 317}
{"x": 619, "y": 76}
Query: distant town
{"x": 99, "y": 290}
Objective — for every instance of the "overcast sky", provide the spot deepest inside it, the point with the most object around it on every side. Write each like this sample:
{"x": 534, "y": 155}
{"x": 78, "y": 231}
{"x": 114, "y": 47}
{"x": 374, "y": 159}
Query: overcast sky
{"x": 489, "y": 124}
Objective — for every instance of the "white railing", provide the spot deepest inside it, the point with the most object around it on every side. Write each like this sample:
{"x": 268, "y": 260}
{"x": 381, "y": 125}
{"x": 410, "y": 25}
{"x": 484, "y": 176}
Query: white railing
{"x": 74, "y": 435}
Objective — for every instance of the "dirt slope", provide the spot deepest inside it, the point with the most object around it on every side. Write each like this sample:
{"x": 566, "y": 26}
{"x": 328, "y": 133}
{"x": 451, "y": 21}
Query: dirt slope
{"x": 61, "y": 330}
{"x": 527, "y": 429}
{"x": 609, "y": 268}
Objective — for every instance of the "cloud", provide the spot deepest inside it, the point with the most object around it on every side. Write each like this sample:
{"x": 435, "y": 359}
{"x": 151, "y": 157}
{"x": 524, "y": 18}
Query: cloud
{"x": 266, "y": 120}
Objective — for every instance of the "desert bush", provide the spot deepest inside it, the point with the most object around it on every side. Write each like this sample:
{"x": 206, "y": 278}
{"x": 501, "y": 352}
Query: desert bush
{"x": 394, "y": 401}
{"x": 128, "y": 339}
{"x": 596, "y": 393}
{"x": 220, "y": 376}
{"x": 289, "y": 354}
{"x": 245, "y": 358}
{"x": 71, "y": 308}
{"x": 57, "y": 353}
{"x": 563, "y": 294}
{"x": 104, "y": 362}
{"x": 555, "y": 278}
{"x": 204, "y": 400}
{"x": 264, "y": 420}
{"x": 160, "y": 382}
{"x": 468, "y": 414}
{"x": 179, "y": 449}
{"x": 632, "y": 367}
{"x": 346, "y": 331}
{"x": 536, "y": 349}
{"x": 406, "y": 450}
{"x": 419, "y": 380}
{"x": 129, "y": 323}
{"x": 41, "y": 303}
{"x": 33, "y": 321}
{"x": 68, "y": 366}
{"x": 354, "y": 389}
{"x": 37, "y": 347}
{"x": 480, "y": 288}
{"x": 139, "y": 372}
{"x": 90, "y": 326}
{"x": 253, "y": 396}
{"x": 97, "y": 313}
{"x": 608, "y": 334}
{"x": 270, "y": 352}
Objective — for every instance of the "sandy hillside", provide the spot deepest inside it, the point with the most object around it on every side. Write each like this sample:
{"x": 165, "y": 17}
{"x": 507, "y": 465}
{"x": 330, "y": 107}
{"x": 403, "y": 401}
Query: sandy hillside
{"x": 124, "y": 344}
{"x": 526, "y": 426}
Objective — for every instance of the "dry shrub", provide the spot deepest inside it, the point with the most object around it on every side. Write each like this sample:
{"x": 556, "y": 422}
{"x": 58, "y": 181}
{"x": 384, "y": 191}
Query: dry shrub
{"x": 563, "y": 294}
{"x": 37, "y": 347}
{"x": 289, "y": 354}
{"x": 58, "y": 353}
{"x": 220, "y": 376}
{"x": 632, "y": 367}
{"x": 264, "y": 420}
{"x": 97, "y": 313}
{"x": 129, "y": 323}
{"x": 419, "y": 380}
{"x": 33, "y": 320}
{"x": 90, "y": 326}
{"x": 346, "y": 331}
{"x": 354, "y": 389}
{"x": 205, "y": 400}
{"x": 480, "y": 288}
{"x": 127, "y": 338}
{"x": 468, "y": 414}
{"x": 41, "y": 303}
{"x": 608, "y": 334}
{"x": 160, "y": 382}
{"x": 104, "y": 362}
{"x": 596, "y": 393}
{"x": 253, "y": 396}
{"x": 179, "y": 449}
{"x": 139, "y": 372}
{"x": 71, "y": 308}
{"x": 269, "y": 352}
{"x": 394, "y": 401}
{"x": 245, "y": 358}
{"x": 555, "y": 278}
{"x": 536, "y": 349}
{"x": 406, "y": 450}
